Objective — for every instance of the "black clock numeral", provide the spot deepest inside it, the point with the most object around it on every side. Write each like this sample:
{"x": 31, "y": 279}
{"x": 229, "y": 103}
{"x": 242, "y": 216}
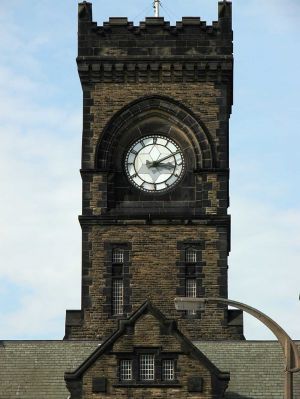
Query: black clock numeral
{"x": 134, "y": 152}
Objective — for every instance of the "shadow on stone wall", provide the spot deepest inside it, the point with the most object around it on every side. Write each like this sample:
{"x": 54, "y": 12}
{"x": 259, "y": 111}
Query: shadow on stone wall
{"x": 232, "y": 395}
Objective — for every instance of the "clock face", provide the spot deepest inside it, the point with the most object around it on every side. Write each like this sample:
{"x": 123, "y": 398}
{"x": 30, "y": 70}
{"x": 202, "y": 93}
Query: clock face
{"x": 154, "y": 163}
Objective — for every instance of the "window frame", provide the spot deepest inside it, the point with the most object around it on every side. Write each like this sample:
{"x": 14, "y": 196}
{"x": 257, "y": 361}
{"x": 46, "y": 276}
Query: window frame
{"x": 189, "y": 289}
{"x": 159, "y": 357}
{"x": 120, "y": 370}
{"x": 143, "y": 367}
{"x": 190, "y": 268}
{"x": 117, "y": 270}
{"x": 117, "y": 304}
{"x": 163, "y": 378}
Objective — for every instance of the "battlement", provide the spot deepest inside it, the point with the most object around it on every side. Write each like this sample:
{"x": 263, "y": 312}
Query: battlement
{"x": 155, "y": 51}
{"x": 154, "y": 36}
{"x": 85, "y": 13}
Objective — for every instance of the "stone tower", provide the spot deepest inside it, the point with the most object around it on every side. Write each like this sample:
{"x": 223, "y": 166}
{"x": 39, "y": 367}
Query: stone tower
{"x": 156, "y": 105}
{"x": 155, "y": 170}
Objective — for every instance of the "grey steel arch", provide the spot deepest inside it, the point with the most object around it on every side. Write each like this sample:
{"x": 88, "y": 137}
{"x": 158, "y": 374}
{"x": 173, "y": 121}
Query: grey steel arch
{"x": 290, "y": 350}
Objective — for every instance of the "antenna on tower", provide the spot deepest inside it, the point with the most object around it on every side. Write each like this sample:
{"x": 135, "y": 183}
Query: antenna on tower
{"x": 156, "y": 5}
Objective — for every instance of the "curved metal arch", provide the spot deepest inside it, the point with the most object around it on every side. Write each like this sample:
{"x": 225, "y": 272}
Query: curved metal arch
{"x": 290, "y": 350}
{"x": 158, "y": 103}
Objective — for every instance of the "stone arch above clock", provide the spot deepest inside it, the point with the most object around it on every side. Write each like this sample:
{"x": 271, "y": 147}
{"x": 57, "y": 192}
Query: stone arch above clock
{"x": 166, "y": 118}
{"x": 167, "y": 113}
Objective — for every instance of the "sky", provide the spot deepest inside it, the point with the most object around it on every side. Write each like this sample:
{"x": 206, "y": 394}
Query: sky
{"x": 40, "y": 147}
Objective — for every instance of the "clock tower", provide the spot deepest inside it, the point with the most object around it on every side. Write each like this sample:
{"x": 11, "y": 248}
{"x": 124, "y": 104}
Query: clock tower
{"x": 155, "y": 170}
{"x": 157, "y": 100}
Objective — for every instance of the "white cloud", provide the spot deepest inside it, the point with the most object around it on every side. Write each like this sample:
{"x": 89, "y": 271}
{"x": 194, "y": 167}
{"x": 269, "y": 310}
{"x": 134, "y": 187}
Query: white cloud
{"x": 40, "y": 235}
{"x": 40, "y": 194}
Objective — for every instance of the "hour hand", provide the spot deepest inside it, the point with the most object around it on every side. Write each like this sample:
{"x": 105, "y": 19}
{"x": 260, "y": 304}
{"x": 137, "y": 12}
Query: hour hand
{"x": 167, "y": 165}
{"x": 153, "y": 164}
{"x": 150, "y": 164}
{"x": 157, "y": 164}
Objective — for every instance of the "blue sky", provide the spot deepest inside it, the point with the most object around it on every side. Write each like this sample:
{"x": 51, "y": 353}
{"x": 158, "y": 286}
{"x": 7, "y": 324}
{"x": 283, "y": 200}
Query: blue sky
{"x": 40, "y": 139}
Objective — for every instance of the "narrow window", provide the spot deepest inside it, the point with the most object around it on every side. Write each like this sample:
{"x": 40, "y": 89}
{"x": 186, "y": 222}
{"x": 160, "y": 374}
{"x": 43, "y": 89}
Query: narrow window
{"x": 191, "y": 291}
{"x": 168, "y": 370}
{"x": 190, "y": 255}
{"x": 117, "y": 296}
{"x": 147, "y": 369}
{"x": 125, "y": 370}
{"x": 117, "y": 281}
{"x": 118, "y": 256}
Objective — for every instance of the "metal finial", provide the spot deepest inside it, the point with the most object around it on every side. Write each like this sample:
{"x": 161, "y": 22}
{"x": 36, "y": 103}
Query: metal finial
{"x": 156, "y": 5}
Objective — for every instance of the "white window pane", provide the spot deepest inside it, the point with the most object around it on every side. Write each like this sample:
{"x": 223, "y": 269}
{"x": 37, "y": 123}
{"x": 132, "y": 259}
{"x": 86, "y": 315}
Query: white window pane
{"x": 138, "y": 181}
{"x": 161, "y": 141}
{"x": 137, "y": 147}
{"x": 126, "y": 370}
{"x": 117, "y": 297}
{"x": 147, "y": 370}
{"x": 131, "y": 158}
{"x": 131, "y": 169}
{"x": 168, "y": 370}
{"x": 191, "y": 255}
{"x": 178, "y": 159}
{"x": 148, "y": 140}
{"x": 118, "y": 256}
{"x": 172, "y": 147}
{"x": 191, "y": 291}
{"x": 161, "y": 186}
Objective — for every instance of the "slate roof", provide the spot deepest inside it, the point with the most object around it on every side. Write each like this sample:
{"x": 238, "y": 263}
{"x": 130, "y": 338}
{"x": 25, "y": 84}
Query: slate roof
{"x": 35, "y": 369}
{"x": 256, "y": 368}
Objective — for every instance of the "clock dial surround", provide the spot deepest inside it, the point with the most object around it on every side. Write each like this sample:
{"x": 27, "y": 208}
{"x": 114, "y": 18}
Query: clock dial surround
{"x": 154, "y": 163}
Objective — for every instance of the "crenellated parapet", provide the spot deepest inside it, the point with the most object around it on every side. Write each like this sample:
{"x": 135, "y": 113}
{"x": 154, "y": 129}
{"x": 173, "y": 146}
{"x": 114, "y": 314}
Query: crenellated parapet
{"x": 155, "y": 51}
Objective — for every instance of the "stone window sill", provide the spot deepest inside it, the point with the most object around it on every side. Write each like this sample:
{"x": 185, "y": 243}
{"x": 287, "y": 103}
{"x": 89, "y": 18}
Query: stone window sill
{"x": 148, "y": 385}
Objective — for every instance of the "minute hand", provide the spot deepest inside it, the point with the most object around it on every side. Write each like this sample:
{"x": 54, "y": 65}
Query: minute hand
{"x": 155, "y": 163}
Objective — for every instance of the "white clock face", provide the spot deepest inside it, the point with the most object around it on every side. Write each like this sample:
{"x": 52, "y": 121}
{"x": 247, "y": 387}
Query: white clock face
{"x": 154, "y": 163}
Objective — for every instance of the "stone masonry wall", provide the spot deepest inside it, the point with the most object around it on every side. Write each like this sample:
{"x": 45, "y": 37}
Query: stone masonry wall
{"x": 155, "y": 275}
{"x": 207, "y": 100}
{"x": 147, "y": 331}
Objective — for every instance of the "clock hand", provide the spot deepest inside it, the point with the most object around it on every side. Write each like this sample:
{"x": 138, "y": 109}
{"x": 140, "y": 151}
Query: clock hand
{"x": 168, "y": 165}
{"x": 155, "y": 163}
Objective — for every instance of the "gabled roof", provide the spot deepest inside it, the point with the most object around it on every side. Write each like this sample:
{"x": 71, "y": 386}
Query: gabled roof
{"x": 169, "y": 325}
{"x": 35, "y": 369}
